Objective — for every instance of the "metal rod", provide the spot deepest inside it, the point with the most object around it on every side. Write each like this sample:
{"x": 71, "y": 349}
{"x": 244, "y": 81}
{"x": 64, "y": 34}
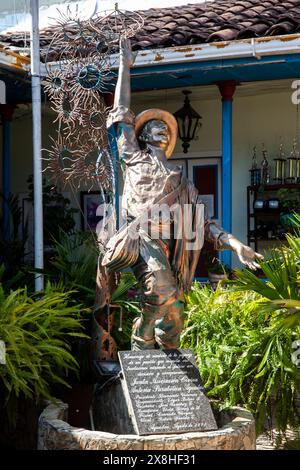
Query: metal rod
{"x": 37, "y": 145}
{"x": 114, "y": 151}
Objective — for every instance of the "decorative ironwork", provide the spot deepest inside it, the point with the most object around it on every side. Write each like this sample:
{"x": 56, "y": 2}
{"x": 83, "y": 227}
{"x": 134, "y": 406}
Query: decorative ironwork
{"x": 93, "y": 123}
{"x": 68, "y": 112}
{"x": 61, "y": 159}
{"x": 93, "y": 168}
{"x": 84, "y": 72}
{"x": 87, "y": 79}
{"x": 116, "y": 23}
{"x": 55, "y": 84}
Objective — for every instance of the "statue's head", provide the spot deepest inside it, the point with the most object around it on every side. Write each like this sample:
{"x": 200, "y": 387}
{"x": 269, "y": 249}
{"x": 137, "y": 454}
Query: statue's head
{"x": 158, "y": 128}
{"x": 155, "y": 133}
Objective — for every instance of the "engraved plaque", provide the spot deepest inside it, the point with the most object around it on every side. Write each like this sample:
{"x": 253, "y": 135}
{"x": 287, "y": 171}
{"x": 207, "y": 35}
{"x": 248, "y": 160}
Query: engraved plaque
{"x": 164, "y": 392}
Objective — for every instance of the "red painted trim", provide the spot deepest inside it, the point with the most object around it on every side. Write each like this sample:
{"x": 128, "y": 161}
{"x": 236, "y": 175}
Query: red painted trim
{"x": 109, "y": 99}
{"x": 227, "y": 89}
{"x": 6, "y": 112}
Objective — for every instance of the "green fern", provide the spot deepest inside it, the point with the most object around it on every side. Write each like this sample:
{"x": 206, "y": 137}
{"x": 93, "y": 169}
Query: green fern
{"x": 74, "y": 264}
{"x": 37, "y": 332}
{"x": 244, "y": 354}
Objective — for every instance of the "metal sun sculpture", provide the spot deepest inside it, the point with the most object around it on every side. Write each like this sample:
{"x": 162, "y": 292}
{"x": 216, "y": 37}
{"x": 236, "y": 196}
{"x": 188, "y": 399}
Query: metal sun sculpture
{"x": 55, "y": 84}
{"x": 76, "y": 39}
{"x": 83, "y": 164}
{"x": 93, "y": 168}
{"x": 87, "y": 80}
{"x": 61, "y": 159}
{"x": 82, "y": 74}
{"x": 118, "y": 23}
{"x": 68, "y": 111}
{"x": 93, "y": 123}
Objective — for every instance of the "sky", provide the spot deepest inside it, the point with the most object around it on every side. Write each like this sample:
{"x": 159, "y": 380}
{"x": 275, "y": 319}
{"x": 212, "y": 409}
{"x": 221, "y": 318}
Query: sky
{"x": 15, "y": 14}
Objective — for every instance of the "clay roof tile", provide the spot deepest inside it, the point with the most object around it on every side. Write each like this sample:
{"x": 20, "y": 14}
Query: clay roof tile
{"x": 223, "y": 35}
{"x": 204, "y": 22}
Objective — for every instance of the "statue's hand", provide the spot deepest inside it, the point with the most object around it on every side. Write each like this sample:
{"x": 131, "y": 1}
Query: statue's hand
{"x": 248, "y": 256}
{"x": 126, "y": 56}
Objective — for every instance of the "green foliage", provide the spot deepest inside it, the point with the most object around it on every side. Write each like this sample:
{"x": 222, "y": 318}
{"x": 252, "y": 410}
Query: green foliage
{"x": 57, "y": 213}
{"x": 74, "y": 264}
{"x": 244, "y": 354}
{"x": 289, "y": 199}
{"x": 212, "y": 262}
{"x": 73, "y": 267}
{"x": 130, "y": 309}
{"x": 281, "y": 294}
{"x": 11, "y": 246}
{"x": 243, "y": 336}
{"x": 37, "y": 331}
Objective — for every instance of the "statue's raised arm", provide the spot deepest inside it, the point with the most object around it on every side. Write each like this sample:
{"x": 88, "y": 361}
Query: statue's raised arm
{"x": 122, "y": 92}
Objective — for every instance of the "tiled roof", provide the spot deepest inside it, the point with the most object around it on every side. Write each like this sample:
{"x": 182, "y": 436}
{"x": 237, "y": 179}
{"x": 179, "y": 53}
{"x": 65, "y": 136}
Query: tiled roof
{"x": 220, "y": 20}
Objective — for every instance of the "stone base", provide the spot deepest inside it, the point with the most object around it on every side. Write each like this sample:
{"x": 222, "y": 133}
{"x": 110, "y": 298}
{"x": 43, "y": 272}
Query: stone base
{"x": 236, "y": 432}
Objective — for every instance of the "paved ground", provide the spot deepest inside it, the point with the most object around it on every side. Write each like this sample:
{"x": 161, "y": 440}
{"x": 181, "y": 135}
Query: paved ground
{"x": 272, "y": 441}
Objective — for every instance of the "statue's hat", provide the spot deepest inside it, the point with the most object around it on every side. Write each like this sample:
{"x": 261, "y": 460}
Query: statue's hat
{"x": 158, "y": 115}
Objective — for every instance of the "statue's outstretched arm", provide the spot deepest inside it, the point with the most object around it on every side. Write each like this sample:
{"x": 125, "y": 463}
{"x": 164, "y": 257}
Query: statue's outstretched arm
{"x": 122, "y": 92}
{"x": 226, "y": 241}
{"x": 246, "y": 255}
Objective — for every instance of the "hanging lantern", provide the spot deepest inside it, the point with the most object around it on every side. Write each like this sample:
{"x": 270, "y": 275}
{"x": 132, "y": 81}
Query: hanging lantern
{"x": 188, "y": 121}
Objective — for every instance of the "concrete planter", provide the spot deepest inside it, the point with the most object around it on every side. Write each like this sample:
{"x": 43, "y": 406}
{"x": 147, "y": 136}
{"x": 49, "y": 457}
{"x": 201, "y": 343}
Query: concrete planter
{"x": 214, "y": 279}
{"x": 236, "y": 432}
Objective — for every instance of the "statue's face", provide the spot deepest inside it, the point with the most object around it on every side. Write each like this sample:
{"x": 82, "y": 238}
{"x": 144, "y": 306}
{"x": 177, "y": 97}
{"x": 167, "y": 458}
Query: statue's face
{"x": 156, "y": 133}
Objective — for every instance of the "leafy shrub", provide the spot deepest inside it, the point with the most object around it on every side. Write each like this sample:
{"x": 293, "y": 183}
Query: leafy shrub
{"x": 37, "y": 331}
{"x": 57, "y": 212}
{"x": 244, "y": 353}
{"x": 125, "y": 296}
{"x": 74, "y": 264}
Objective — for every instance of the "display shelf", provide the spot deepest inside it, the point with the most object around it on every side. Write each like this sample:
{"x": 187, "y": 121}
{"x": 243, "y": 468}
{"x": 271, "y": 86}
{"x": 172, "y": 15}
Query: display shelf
{"x": 265, "y": 219}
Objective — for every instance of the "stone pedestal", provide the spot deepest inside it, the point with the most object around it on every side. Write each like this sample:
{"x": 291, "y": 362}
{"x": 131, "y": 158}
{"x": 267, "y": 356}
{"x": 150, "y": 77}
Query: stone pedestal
{"x": 236, "y": 432}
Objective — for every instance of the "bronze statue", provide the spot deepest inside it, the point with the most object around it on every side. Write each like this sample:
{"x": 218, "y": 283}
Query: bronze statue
{"x": 164, "y": 267}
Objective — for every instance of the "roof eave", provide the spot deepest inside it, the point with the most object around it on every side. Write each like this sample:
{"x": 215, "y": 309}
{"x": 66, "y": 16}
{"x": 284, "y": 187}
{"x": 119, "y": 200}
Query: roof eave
{"x": 13, "y": 60}
{"x": 254, "y": 47}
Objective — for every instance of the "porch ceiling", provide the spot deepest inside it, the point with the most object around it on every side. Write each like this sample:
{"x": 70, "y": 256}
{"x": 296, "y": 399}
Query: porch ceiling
{"x": 211, "y": 92}
{"x": 18, "y": 85}
{"x": 174, "y": 76}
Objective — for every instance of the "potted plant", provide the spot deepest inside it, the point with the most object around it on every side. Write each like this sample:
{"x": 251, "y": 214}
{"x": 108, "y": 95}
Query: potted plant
{"x": 289, "y": 205}
{"x": 216, "y": 270}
